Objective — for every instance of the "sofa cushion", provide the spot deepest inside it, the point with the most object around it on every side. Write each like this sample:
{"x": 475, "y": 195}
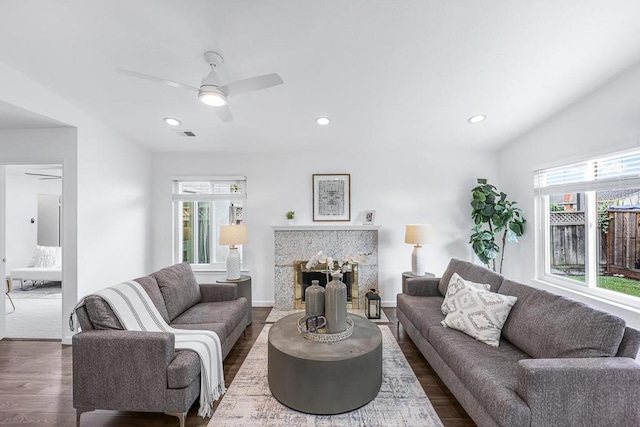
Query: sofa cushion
{"x": 424, "y": 312}
{"x": 100, "y": 313}
{"x": 471, "y": 272}
{"x": 219, "y": 328}
{"x": 179, "y": 288}
{"x": 183, "y": 369}
{"x": 150, "y": 285}
{"x": 456, "y": 284}
{"x": 478, "y": 313}
{"x": 228, "y": 313}
{"x": 545, "y": 325}
{"x": 489, "y": 373}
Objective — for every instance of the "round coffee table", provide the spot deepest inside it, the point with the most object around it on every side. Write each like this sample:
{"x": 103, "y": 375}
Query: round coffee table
{"x": 324, "y": 378}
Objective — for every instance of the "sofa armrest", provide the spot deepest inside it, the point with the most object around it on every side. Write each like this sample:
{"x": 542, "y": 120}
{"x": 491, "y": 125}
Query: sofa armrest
{"x": 567, "y": 392}
{"x": 126, "y": 370}
{"x": 219, "y": 292}
{"x": 422, "y": 286}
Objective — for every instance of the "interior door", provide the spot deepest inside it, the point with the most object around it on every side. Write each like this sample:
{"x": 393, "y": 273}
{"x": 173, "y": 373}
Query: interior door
{"x": 3, "y": 254}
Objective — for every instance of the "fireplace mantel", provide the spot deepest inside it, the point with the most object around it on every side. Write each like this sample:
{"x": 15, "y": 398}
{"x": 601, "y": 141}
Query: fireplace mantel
{"x": 325, "y": 227}
{"x": 299, "y": 242}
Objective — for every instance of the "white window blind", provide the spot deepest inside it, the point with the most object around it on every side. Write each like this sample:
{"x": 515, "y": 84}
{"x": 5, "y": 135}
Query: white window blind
{"x": 621, "y": 170}
{"x": 216, "y": 188}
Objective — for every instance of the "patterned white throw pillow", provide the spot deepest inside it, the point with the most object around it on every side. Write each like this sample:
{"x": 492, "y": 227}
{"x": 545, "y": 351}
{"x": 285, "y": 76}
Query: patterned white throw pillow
{"x": 456, "y": 284}
{"x": 479, "y": 313}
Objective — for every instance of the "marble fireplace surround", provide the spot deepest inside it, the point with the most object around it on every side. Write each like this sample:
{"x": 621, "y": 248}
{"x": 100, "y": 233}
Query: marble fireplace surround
{"x": 301, "y": 242}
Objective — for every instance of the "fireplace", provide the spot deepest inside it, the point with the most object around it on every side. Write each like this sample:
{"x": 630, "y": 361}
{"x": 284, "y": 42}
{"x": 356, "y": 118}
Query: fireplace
{"x": 299, "y": 242}
{"x": 303, "y": 277}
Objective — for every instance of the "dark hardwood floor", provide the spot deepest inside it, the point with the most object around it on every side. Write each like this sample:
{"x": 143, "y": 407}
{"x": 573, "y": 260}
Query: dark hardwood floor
{"x": 36, "y": 384}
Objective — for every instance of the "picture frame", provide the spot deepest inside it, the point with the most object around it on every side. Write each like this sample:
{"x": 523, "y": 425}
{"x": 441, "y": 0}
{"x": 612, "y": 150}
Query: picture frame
{"x": 331, "y": 197}
{"x": 369, "y": 217}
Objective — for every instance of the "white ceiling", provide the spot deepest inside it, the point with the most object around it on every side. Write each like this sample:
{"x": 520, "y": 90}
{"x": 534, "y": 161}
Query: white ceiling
{"x": 12, "y": 117}
{"x": 391, "y": 74}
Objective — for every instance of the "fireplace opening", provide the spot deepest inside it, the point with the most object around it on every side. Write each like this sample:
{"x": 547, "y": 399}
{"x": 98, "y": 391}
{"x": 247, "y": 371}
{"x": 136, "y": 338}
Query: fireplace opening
{"x": 304, "y": 276}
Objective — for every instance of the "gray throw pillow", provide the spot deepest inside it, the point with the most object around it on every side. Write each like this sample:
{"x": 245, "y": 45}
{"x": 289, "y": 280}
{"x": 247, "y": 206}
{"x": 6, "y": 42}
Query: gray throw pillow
{"x": 179, "y": 288}
{"x": 100, "y": 313}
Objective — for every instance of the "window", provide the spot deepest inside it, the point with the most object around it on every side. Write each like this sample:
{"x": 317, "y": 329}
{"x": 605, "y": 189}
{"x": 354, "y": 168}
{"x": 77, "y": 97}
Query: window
{"x": 588, "y": 231}
{"x": 200, "y": 207}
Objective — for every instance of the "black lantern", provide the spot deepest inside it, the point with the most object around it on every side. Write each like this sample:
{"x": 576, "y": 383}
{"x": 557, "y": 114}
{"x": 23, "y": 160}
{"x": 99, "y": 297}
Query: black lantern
{"x": 372, "y": 301}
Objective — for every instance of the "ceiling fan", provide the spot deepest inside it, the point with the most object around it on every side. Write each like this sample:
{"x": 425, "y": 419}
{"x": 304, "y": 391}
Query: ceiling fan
{"x": 211, "y": 92}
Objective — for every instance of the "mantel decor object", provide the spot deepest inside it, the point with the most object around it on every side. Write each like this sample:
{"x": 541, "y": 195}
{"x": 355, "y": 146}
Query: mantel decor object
{"x": 418, "y": 235}
{"x": 332, "y": 197}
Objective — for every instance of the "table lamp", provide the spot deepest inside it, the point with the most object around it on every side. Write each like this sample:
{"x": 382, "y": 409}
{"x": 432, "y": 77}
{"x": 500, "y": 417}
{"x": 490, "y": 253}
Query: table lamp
{"x": 233, "y": 235}
{"x": 418, "y": 235}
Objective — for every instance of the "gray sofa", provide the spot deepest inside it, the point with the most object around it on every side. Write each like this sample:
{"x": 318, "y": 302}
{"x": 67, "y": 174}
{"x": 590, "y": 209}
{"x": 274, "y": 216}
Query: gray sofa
{"x": 558, "y": 363}
{"x": 124, "y": 370}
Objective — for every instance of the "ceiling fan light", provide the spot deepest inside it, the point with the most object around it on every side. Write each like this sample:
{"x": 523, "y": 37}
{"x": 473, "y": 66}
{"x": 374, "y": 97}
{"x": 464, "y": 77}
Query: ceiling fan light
{"x": 213, "y": 96}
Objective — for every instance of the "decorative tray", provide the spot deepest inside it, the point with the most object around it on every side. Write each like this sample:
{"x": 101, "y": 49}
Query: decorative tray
{"x": 321, "y": 335}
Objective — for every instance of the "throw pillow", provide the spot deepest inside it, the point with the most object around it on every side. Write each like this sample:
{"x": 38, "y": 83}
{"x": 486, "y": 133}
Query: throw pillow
{"x": 479, "y": 313}
{"x": 456, "y": 284}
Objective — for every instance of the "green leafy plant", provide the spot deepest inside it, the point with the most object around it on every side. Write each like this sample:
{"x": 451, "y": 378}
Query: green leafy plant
{"x": 290, "y": 214}
{"x": 493, "y": 216}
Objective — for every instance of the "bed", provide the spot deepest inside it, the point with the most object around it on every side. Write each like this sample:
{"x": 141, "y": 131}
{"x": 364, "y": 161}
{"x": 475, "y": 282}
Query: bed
{"x": 45, "y": 266}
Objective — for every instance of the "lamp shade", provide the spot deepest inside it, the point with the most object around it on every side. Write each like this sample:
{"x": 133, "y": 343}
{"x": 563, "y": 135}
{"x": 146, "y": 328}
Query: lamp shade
{"x": 232, "y": 235}
{"x": 418, "y": 234}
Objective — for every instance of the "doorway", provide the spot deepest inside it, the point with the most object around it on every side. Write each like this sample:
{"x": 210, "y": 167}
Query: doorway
{"x": 33, "y": 252}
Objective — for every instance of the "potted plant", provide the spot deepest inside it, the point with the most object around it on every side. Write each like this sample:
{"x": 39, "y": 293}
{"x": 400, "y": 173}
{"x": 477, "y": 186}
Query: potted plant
{"x": 290, "y": 216}
{"x": 493, "y": 215}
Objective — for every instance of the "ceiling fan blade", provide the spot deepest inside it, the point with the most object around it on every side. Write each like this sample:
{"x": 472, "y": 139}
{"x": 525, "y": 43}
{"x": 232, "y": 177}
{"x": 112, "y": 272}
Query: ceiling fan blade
{"x": 224, "y": 113}
{"x": 251, "y": 84}
{"x": 156, "y": 79}
{"x": 44, "y": 175}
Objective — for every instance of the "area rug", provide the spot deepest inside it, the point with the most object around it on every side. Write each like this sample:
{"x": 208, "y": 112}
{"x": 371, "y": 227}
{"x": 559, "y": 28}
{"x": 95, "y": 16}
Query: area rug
{"x": 275, "y": 315}
{"x": 400, "y": 402}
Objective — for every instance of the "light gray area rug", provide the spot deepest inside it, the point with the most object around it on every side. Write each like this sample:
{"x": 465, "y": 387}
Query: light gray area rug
{"x": 400, "y": 402}
{"x": 275, "y": 315}
{"x": 34, "y": 318}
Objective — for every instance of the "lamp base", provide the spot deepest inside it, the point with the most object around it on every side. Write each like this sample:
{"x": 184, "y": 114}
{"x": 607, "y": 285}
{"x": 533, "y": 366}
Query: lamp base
{"x": 418, "y": 261}
{"x": 233, "y": 264}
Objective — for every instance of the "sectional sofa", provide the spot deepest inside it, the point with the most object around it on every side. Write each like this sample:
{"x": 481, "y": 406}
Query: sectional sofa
{"x": 558, "y": 362}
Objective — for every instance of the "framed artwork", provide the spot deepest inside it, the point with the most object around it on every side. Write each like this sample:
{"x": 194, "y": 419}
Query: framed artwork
{"x": 332, "y": 197}
{"x": 369, "y": 217}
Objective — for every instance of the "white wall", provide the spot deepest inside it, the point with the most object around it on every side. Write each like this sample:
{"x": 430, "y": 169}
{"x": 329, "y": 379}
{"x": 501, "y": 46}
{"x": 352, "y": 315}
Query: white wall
{"x": 22, "y": 205}
{"x": 106, "y": 189}
{"x": 428, "y": 187}
{"x": 606, "y": 121}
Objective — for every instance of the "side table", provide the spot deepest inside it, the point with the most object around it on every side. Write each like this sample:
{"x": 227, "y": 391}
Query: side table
{"x": 407, "y": 275}
{"x": 244, "y": 290}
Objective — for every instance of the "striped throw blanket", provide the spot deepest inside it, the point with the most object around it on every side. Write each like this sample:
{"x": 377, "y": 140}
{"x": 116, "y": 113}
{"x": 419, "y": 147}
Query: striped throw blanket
{"x": 135, "y": 310}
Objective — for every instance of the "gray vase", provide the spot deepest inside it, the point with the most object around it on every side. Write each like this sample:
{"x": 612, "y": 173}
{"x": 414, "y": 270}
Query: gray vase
{"x": 314, "y": 299}
{"x": 335, "y": 305}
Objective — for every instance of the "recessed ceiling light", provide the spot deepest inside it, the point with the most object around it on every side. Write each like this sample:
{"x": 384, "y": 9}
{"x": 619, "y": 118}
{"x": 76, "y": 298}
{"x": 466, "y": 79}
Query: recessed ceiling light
{"x": 171, "y": 121}
{"x": 323, "y": 121}
{"x": 476, "y": 119}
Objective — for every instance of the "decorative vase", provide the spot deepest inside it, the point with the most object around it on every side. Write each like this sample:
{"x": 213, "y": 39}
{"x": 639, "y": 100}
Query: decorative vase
{"x": 335, "y": 306}
{"x": 314, "y": 299}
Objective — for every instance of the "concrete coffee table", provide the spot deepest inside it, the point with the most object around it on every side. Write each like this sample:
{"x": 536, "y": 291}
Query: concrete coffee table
{"x": 324, "y": 378}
